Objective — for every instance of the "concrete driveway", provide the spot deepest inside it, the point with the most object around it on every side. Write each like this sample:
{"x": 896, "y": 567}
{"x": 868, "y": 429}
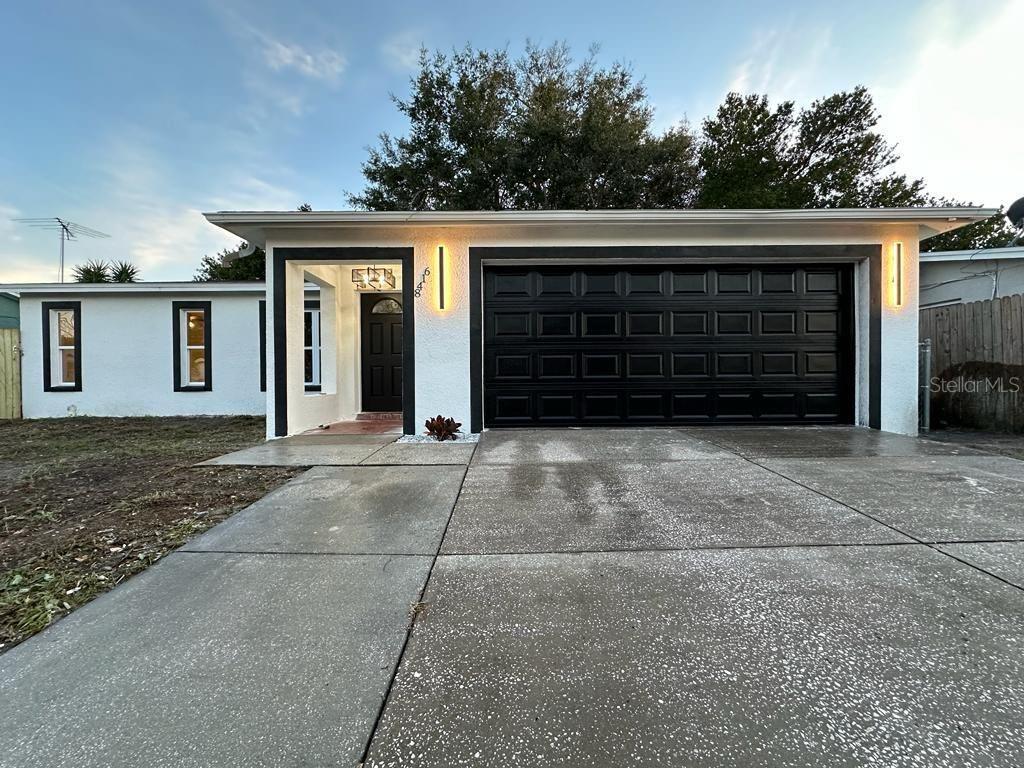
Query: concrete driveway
{"x": 736, "y": 596}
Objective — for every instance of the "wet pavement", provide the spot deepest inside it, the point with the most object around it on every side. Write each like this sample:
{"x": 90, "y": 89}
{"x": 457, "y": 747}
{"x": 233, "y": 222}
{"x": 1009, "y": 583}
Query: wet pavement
{"x": 704, "y": 597}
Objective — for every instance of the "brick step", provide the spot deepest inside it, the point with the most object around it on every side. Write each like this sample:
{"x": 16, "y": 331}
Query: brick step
{"x": 379, "y": 416}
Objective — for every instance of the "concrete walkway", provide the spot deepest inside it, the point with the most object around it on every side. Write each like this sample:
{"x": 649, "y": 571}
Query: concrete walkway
{"x": 776, "y": 597}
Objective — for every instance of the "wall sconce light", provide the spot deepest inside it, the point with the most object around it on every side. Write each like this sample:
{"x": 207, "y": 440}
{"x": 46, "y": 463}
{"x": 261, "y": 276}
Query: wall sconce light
{"x": 440, "y": 277}
{"x": 440, "y": 271}
{"x": 897, "y": 274}
{"x": 373, "y": 278}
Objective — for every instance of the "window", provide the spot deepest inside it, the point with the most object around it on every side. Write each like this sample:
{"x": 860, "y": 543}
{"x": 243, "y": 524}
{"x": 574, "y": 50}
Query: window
{"x": 386, "y": 307}
{"x": 311, "y": 347}
{"x": 193, "y": 367}
{"x": 62, "y": 346}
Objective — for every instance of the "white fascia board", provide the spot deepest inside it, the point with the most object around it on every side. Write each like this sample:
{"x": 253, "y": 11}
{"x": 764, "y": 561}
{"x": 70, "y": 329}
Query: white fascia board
{"x": 108, "y": 289}
{"x": 689, "y": 215}
{"x": 135, "y": 288}
{"x": 253, "y": 225}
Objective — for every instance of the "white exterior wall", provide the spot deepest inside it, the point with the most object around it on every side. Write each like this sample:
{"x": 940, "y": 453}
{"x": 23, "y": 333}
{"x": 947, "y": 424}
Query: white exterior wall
{"x": 900, "y": 341}
{"x": 970, "y": 280}
{"x": 127, "y": 357}
{"x": 442, "y": 338}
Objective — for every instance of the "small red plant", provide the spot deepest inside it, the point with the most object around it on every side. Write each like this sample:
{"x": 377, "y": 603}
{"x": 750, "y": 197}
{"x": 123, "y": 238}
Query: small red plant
{"x": 442, "y": 428}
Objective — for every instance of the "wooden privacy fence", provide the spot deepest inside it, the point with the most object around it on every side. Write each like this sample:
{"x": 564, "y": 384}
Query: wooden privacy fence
{"x": 977, "y": 373}
{"x": 10, "y": 373}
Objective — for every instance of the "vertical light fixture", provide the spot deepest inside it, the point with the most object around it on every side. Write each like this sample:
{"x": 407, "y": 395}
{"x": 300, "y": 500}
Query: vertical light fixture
{"x": 440, "y": 276}
{"x": 897, "y": 274}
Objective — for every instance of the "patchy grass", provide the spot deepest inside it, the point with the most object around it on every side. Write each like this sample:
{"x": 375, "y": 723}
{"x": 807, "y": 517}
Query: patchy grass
{"x": 87, "y": 502}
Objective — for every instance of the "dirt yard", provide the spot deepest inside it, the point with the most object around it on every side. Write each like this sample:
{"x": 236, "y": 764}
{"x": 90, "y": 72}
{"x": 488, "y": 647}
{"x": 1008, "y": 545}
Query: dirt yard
{"x": 88, "y": 502}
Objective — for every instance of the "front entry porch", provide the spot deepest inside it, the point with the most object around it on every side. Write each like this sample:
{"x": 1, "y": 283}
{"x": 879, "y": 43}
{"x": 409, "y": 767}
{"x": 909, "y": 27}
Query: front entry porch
{"x": 339, "y": 358}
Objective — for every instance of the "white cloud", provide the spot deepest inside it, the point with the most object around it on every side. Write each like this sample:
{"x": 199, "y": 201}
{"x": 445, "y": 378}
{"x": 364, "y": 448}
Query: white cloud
{"x": 403, "y": 51}
{"x": 784, "y": 63}
{"x": 320, "y": 65}
{"x": 956, "y": 111}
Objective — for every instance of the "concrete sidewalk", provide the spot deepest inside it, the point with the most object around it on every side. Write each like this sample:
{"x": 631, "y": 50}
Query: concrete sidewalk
{"x": 271, "y": 640}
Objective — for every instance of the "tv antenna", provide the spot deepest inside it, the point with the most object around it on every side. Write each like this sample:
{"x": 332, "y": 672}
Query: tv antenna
{"x": 68, "y": 230}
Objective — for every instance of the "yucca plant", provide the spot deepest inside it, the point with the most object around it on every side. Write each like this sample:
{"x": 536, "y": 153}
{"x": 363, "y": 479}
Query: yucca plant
{"x": 442, "y": 428}
{"x": 124, "y": 272}
{"x": 93, "y": 271}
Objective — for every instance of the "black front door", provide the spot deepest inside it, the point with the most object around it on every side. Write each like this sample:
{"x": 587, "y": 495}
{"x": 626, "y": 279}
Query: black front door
{"x": 382, "y": 351}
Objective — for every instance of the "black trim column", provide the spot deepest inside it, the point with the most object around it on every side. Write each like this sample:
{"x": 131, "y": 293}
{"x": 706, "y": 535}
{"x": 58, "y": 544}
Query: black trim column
{"x": 352, "y": 255}
{"x": 874, "y": 360}
{"x": 263, "y": 345}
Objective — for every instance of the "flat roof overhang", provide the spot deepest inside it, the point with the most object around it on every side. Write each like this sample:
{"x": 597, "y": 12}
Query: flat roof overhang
{"x": 254, "y": 226}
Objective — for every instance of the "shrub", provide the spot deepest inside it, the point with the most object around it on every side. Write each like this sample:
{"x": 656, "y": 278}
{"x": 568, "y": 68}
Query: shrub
{"x": 442, "y": 428}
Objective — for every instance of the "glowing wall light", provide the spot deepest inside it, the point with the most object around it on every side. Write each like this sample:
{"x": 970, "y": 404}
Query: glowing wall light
{"x": 440, "y": 277}
{"x": 897, "y": 274}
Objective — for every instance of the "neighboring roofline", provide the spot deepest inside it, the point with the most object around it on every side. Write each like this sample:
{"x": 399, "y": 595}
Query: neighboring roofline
{"x": 177, "y": 288}
{"x": 982, "y": 254}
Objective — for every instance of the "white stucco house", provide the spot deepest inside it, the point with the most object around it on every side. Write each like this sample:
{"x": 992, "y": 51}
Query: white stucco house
{"x": 511, "y": 319}
{"x": 959, "y": 277}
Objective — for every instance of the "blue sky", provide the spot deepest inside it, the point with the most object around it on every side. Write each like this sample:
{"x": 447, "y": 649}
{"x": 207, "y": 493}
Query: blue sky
{"x": 133, "y": 117}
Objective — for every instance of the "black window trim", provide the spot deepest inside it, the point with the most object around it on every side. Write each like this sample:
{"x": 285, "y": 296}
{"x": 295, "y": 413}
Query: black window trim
{"x": 176, "y": 310}
{"x": 76, "y": 308}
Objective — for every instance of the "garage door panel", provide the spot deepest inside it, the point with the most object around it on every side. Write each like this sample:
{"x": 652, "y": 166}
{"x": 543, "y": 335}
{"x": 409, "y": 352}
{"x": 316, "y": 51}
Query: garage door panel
{"x": 678, "y": 344}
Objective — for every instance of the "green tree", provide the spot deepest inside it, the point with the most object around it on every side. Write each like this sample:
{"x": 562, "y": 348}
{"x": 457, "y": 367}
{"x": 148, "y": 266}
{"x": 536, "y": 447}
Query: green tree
{"x": 228, "y": 265}
{"x": 825, "y": 156}
{"x": 746, "y": 155}
{"x": 487, "y": 132}
{"x": 93, "y": 271}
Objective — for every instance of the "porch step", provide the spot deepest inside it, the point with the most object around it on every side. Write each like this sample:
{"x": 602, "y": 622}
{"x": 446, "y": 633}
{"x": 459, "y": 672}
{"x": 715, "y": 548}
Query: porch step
{"x": 379, "y": 416}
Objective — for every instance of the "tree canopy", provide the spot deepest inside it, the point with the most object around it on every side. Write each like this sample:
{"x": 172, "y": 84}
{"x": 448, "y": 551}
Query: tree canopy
{"x": 488, "y": 131}
{"x": 228, "y": 265}
{"x": 827, "y": 155}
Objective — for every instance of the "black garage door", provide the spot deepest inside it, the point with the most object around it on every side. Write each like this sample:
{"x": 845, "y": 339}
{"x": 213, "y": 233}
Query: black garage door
{"x": 653, "y": 345}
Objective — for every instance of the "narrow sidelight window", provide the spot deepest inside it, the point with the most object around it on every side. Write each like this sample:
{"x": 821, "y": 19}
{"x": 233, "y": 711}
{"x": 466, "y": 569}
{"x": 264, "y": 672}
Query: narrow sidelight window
{"x": 62, "y": 346}
{"x": 193, "y": 365}
{"x": 311, "y": 347}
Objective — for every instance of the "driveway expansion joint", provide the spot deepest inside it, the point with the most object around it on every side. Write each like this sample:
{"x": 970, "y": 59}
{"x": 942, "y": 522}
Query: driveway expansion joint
{"x": 414, "y": 612}
{"x": 931, "y": 545}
